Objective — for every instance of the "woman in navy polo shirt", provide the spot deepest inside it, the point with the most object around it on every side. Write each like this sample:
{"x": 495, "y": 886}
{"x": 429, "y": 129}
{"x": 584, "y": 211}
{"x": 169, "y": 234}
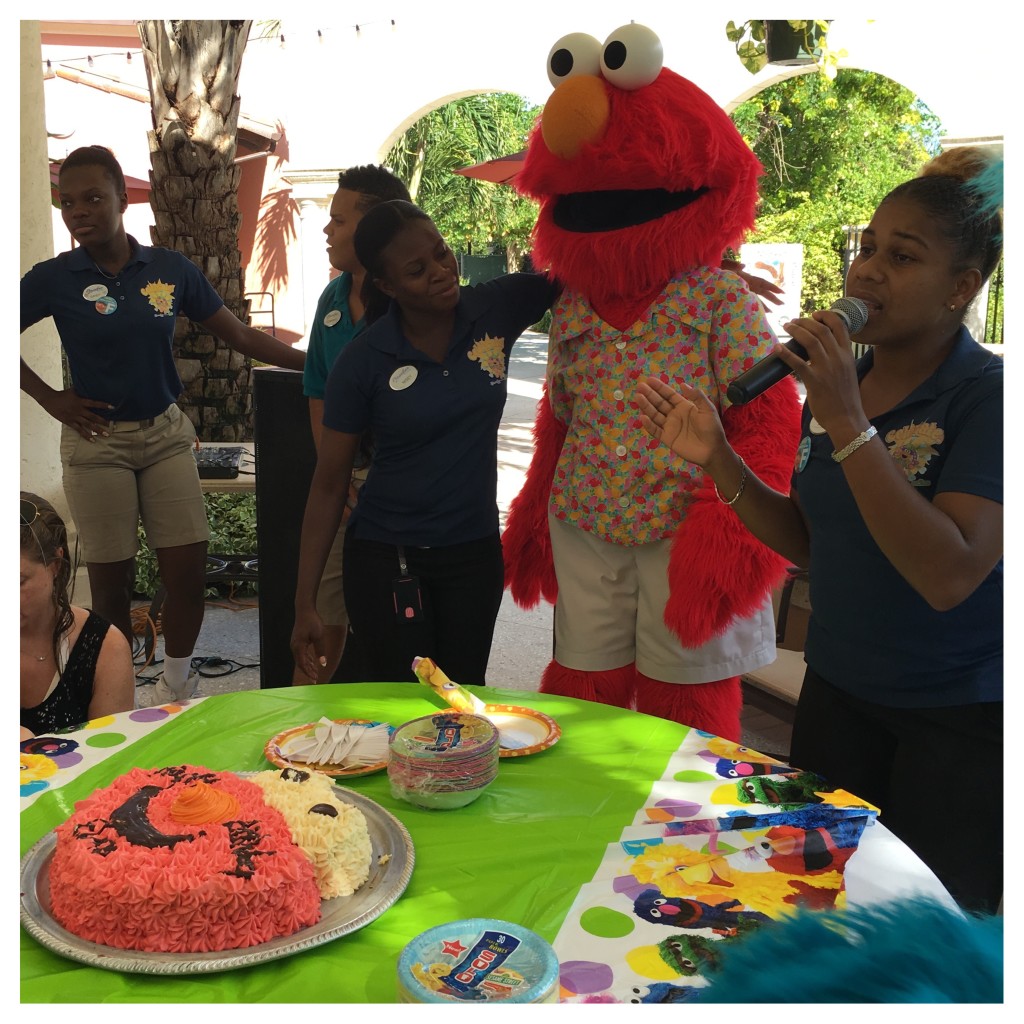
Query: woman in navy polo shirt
{"x": 126, "y": 447}
{"x": 423, "y": 572}
{"x": 896, "y": 508}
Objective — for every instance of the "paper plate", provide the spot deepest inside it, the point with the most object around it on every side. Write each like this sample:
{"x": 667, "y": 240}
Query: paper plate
{"x": 275, "y": 751}
{"x": 522, "y": 731}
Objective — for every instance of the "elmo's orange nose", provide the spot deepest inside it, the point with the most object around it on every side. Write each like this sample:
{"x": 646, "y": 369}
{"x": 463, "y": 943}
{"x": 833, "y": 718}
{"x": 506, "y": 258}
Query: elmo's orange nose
{"x": 577, "y": 112}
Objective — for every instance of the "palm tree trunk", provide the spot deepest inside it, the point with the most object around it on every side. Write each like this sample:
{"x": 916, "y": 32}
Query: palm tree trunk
{"x": 193, "y": 69}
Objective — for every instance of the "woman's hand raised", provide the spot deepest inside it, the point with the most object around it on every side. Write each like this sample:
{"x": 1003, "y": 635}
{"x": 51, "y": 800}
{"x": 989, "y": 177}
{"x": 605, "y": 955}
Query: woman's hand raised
{"x": 685, "y": 420}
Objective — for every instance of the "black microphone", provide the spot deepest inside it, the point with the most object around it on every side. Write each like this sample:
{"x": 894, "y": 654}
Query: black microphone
{"x": 770, "y": 370}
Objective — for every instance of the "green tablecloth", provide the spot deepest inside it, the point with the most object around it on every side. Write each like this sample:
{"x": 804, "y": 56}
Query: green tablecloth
{"x": 520, "y": 852}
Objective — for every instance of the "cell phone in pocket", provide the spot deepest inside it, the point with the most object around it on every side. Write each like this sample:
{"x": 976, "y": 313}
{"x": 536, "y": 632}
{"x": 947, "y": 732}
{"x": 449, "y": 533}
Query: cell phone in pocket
{"x": 408, "y": 599}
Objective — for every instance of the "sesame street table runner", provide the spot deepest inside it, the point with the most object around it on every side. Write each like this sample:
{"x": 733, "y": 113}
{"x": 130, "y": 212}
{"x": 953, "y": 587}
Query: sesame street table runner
{"x": 727, "y": 841}
{"x": 51, "y": 761}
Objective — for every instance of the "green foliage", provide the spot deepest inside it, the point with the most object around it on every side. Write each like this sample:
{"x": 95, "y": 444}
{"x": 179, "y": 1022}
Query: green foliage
{"x": 751, "y": 39}
{"x": 472, "y": 215}
{"x": 232, "y": 519}
{"x": 543, "y": 325}
{"x": 831, "y": 151}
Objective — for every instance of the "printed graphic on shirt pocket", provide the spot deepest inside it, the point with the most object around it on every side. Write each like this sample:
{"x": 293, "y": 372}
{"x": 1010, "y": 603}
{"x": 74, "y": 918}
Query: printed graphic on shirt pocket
{"x": 913, "y": 447}
{"x": 161, "y": 297}
{"x": 490, "y": 354}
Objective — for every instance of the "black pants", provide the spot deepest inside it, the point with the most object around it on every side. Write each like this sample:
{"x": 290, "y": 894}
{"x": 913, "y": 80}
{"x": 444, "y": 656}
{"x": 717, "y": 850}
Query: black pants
{"x": 461, "y": 587}
{"x": 936, "y": 774}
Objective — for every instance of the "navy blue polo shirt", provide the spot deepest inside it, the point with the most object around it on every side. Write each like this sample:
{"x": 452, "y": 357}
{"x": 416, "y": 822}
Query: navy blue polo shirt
{"x": 117, "y": 330}
{"x": 870, "y": 633}
{"x": 434, "y": 477}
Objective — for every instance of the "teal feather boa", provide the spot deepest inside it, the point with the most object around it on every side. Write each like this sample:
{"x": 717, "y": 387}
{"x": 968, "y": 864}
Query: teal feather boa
{"x": 913, "y": 951}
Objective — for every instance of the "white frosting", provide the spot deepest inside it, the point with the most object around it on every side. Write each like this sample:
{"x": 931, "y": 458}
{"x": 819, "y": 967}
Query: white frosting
{"x": 337, "y": 845}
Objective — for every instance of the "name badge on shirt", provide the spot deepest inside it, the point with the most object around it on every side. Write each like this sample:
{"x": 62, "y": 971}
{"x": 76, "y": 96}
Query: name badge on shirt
{"x": 332, "y": 318}
{"x": 106, "y": 304}
{"x": 403, "y": 377}
{"x": 94, "y": 292}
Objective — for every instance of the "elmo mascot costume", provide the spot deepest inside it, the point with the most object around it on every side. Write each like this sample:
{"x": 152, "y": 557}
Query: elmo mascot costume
{"x": 662, "y": 597}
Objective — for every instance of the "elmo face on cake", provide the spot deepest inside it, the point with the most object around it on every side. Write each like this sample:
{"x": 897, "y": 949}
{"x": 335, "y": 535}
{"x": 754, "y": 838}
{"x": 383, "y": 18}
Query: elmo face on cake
{"x": 187, "y": 860}
{"x": 663, "y": 598}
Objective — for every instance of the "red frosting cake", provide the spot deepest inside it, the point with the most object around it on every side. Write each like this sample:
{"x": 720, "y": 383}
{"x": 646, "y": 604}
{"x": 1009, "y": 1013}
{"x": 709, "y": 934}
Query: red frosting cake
{"x": 181, "y": 860}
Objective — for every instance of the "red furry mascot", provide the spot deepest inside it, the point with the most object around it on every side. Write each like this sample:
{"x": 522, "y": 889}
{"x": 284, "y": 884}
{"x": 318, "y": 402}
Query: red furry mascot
{"x": 663, "y": 598}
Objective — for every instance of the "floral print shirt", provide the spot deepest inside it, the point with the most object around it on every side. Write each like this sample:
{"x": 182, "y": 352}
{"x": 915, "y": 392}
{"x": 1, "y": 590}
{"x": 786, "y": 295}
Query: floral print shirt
{"x": 613, "y": 479}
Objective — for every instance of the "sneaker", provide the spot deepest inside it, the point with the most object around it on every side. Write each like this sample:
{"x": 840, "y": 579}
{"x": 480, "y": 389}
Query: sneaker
{"x": 163, "y": 693}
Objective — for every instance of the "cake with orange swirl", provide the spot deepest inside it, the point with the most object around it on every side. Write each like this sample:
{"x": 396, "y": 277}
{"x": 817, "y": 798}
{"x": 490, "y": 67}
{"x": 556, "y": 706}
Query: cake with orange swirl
{"x": 188, "y": 860}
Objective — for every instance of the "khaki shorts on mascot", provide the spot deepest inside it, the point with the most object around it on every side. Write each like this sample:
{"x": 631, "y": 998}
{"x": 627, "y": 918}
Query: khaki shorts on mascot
{"x": 662, "y": 597}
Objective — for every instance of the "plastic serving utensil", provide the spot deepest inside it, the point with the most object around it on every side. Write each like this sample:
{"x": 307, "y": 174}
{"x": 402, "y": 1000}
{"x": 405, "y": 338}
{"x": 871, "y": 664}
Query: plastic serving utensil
{"x": 428, "y": 673}
{"x": 458, "y": 697}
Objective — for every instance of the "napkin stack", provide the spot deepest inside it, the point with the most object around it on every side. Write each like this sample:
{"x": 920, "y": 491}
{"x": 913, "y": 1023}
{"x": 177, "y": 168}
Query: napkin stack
{"x": 346, "y": 744}
{"x": 444, "y": 760}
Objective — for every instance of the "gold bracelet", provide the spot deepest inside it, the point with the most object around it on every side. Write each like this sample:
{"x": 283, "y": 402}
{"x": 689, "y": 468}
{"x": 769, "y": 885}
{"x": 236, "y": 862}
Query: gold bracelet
{"x": 862, "y": 438}
{"x": 743, "y": 483}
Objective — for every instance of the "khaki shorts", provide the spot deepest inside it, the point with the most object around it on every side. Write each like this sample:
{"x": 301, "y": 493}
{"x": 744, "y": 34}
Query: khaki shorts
{"x": 611, "y": 612}
{"x": 330, "y": 595}
{"x": 139, "y": 471}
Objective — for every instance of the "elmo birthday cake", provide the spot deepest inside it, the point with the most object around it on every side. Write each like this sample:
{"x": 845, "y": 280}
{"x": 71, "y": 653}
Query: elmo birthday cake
{"x": 187, "y": 860}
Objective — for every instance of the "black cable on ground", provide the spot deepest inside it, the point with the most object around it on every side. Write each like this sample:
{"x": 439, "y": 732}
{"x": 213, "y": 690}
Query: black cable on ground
{"x": 214, "y": 667}
{"x": 211, "y": 667}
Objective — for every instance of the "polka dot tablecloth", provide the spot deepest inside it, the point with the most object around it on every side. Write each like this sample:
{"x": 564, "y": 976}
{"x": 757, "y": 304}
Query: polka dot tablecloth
{"x": 639, "y": 849}
{"x": 48, "y": 762}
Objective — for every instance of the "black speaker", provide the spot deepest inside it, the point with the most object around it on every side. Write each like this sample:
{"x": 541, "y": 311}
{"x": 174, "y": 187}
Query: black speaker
{"x": 285, "y": 461}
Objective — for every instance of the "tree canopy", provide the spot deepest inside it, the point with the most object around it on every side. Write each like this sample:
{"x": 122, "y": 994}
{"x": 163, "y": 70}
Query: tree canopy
{"x": 471, "y": 214}
{"x": 831, "y": 152}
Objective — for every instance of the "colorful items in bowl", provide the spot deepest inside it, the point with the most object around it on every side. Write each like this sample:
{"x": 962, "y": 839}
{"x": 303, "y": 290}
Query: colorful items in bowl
{"x": 478, "y": 960}
{"x": 520, "y": 730}
{"x": 443, "y": 761}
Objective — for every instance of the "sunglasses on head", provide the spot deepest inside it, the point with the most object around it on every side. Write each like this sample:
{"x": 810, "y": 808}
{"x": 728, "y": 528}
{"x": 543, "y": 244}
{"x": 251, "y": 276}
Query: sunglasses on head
{"x": 29, "y": 512}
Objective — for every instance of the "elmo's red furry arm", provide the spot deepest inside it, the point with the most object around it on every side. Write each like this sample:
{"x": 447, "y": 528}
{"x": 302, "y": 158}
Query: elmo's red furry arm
{"x": 717, "y": 569}
{"x": 529, "y": 569}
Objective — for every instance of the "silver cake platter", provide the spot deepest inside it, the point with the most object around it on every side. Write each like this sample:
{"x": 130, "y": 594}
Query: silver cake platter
{"x": 391, "y": 867}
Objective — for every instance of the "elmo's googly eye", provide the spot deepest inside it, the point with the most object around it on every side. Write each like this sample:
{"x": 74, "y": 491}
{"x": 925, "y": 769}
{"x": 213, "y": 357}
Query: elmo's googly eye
{"x": 632, "y": 57}
{"x": 574, "y": 54}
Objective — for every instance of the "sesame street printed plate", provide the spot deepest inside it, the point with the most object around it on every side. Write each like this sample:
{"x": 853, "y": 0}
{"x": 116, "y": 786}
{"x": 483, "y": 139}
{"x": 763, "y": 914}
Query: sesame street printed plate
{"x": 391, "y": 865}
{"x": 291, "y": 748}
{"x": 522, "y": 731}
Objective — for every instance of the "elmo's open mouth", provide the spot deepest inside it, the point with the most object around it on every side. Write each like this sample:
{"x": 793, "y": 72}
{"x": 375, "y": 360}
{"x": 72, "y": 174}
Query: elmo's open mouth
{"x": 618, "y": 208}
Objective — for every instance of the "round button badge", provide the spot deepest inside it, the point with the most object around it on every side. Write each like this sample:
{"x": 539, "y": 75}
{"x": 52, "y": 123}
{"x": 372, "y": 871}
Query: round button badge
{"x": 94, "y": 292}
{"x": 403, "y": 377}
{"x": 106, "y": 304}
{"x": 332, "y": 318}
